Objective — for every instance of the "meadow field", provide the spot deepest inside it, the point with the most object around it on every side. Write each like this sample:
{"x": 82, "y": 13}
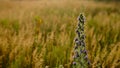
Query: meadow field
{"x": 41, "y": 33}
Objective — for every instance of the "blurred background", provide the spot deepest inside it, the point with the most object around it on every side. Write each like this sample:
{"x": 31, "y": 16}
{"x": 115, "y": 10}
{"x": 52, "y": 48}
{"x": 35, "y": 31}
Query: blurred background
{"x": 40, "y": 33}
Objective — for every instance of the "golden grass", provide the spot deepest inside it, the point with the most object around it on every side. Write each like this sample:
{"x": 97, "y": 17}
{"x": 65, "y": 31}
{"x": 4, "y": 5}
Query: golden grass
{"x": 35, "y": 34}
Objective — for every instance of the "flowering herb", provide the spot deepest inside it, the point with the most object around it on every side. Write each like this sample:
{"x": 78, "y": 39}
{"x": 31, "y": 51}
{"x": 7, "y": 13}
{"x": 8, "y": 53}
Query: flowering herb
{"x": 80, "y": 53}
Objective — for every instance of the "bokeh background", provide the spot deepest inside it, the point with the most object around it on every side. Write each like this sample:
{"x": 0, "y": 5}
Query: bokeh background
{"x": 40, "y": 33}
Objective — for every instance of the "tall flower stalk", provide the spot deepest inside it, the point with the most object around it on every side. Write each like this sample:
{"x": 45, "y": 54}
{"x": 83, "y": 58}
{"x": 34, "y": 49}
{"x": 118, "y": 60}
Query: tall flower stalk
{"x": 80, "y": 54}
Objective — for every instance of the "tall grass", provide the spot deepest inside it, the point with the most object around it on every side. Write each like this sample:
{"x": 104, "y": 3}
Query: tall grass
{"x": 39, "y": 36}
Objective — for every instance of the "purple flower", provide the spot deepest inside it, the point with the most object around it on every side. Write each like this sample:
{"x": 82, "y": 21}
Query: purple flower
{"x": 78, "y": 42}
{"x": 83, "y": 51}
{"x": 74, "y": 63}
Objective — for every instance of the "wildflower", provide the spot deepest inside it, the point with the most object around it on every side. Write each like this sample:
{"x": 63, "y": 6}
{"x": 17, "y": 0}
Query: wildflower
{"x": 83, "y": 51}
{"x": 80, "y": 55}
{"x": 78, "y": 42}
